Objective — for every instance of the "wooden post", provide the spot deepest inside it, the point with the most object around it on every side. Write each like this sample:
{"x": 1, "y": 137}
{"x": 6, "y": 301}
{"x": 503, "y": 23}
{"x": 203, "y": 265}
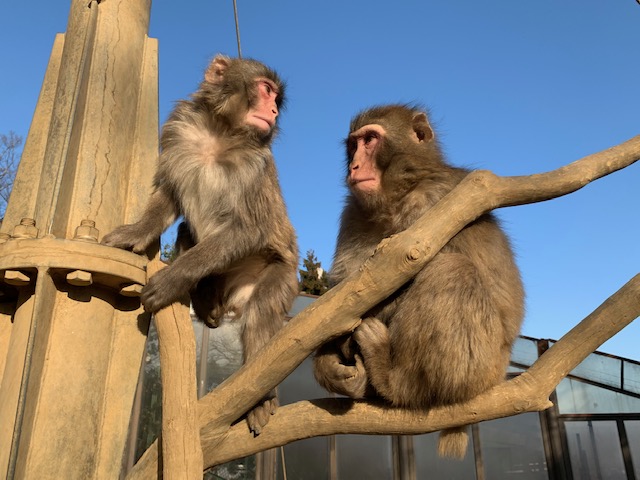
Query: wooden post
{"x": 71, "y": 333}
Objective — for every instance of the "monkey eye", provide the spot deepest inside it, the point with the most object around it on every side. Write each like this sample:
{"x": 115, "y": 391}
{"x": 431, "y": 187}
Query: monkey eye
{"x": 351, "y": 146}
{"x": 369, "y": 136}
{"x": 267, "y": 88}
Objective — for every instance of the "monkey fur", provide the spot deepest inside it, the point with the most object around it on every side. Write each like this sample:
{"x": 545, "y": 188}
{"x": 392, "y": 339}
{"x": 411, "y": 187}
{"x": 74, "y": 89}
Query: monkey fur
{"x": 445, "y": 336}
{"x": 237, "y": 248}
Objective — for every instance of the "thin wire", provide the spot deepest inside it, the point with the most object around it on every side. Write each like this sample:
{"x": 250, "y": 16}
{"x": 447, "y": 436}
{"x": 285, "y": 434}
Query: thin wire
{"x": 235, "y": 14}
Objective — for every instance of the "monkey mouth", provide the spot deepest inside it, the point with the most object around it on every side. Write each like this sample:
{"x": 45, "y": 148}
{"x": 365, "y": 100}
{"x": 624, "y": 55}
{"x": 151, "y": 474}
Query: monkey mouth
{"x": 355, "y": 181}
{"x": 261, "y": 123}
{"x": 364, "y": 184}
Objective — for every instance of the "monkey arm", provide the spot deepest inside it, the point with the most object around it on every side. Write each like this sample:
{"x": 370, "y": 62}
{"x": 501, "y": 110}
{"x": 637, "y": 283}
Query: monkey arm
{"x": 160, "y": 213}
{"x": 373, "y": 339}
{"x": 214, "y": 254}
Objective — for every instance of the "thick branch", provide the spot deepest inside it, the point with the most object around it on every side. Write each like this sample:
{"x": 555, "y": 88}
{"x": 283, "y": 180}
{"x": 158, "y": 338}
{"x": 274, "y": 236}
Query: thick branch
{"x": 396, "y": 261}
{"x": 181, "y": 448}
{"x": 618, "y": 311}
{"x": 527, "y": 393}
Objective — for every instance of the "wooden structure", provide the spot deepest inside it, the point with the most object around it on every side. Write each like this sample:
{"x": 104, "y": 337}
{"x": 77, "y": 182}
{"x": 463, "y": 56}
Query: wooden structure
{"x": 72, "y": 331}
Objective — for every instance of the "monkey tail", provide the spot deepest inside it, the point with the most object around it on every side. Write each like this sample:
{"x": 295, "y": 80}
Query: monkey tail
{"x": 453, "y": 442}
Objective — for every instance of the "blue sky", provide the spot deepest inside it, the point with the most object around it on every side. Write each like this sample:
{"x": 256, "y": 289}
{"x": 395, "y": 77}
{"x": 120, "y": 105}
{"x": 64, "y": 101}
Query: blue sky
{"x": 514, "y": 87}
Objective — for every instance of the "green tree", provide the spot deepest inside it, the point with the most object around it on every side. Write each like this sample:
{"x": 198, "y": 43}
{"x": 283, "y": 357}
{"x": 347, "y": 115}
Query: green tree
{"x": 169, "y": 252}
{"x": 313, "y": 279}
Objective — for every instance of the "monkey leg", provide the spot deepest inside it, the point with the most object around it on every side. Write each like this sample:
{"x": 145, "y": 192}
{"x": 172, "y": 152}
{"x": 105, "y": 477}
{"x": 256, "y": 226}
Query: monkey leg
{"x": 263, "y": 315}
{"x": 207, "y": 300}
{"x": 374, "y": 340}
{"x": 184, "y": 238}
{"x": 446, "y": 342}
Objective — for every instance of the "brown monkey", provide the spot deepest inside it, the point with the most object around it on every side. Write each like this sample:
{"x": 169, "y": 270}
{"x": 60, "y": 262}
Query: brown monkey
{"x": 445, "y": 336}
{"x": 238, "y": 248}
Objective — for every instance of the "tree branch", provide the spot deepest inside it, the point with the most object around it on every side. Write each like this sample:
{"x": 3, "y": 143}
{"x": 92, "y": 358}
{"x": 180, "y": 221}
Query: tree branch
{"x": 396, "y": 260}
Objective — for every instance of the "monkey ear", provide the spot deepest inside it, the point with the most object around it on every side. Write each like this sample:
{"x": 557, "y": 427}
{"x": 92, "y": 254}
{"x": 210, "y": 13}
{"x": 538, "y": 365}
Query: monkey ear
{"x": 422, "y": 128}
{"x": 216, "y": 69}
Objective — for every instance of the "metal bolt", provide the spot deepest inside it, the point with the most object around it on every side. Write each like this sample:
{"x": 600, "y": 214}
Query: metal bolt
{"x": 87, "y": 232}
{"x": 26, "y": 229}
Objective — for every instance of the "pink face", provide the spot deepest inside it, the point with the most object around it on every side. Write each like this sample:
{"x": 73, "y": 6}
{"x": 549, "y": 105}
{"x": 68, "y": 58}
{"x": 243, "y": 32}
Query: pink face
{"x": 362, "y": 146}
{"x": 263, "y": 114}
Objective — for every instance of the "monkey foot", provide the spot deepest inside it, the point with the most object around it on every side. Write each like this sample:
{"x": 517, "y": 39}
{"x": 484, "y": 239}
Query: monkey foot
{"x": 349, "y": 380}
{"x": 259, "y": 416}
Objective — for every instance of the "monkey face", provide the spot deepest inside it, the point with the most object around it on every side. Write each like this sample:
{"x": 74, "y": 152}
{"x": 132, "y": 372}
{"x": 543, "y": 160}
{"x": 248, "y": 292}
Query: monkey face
{"x": 244, "y": 94}
{"x": 363, "y": 147}
{"x": 389, "y": 150}
{"x": 263, "y": 114}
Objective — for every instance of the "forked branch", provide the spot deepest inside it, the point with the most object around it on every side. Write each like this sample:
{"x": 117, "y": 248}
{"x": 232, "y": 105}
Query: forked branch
{"x": 396, "y": 261}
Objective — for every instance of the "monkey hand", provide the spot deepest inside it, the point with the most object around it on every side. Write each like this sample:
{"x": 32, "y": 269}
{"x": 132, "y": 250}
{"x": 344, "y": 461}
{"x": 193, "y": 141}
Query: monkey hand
{"x": 259, "y": 416}
{"x": 128, "y": 237}
{"x": 163, "y": 289}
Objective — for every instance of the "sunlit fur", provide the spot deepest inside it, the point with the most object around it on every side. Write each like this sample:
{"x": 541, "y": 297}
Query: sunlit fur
{"x": 446, "y": 336}
{"x": 238, "y": 251}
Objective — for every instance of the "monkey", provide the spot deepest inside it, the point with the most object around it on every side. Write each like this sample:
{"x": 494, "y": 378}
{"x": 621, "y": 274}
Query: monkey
{"x": 237, "y": 248}
{"x": 445, "y": 336}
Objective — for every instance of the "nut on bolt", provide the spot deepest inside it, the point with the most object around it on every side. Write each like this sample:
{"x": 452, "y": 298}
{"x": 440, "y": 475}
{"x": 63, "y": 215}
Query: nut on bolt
{"x": 26, "y": 229}
{"x": 87, "y": 231}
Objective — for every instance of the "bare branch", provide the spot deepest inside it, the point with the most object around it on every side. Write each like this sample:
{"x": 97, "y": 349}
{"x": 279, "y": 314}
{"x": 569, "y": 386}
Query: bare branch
{"x": 527, "y": 393}
{"x": 9, "y": 145}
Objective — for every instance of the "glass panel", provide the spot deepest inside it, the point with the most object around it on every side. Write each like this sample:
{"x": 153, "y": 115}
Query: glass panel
{"x": 633, "y": 435}
{"x": 512, "y": 448}
{"x": 431, "y": 467}
{"x": 524, "y": 351}
{"x": 150, "y": 421}
{"x": 300, "y": 303}
{"x": 301, "y": 385}
{"x": 364, "y": 456}
{"x": 594, "y": 449}
{"x": 631, "y": 377}
{"x": 600, "y": 369}
{"x": 578, "y": 397}
{"x": 225, "y": 352}
{"x": 305, "y": 460}
{"x": 241, "y": 469}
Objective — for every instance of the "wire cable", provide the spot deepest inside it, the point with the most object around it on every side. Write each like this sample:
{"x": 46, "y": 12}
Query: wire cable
{"x": 235, "y": 14}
